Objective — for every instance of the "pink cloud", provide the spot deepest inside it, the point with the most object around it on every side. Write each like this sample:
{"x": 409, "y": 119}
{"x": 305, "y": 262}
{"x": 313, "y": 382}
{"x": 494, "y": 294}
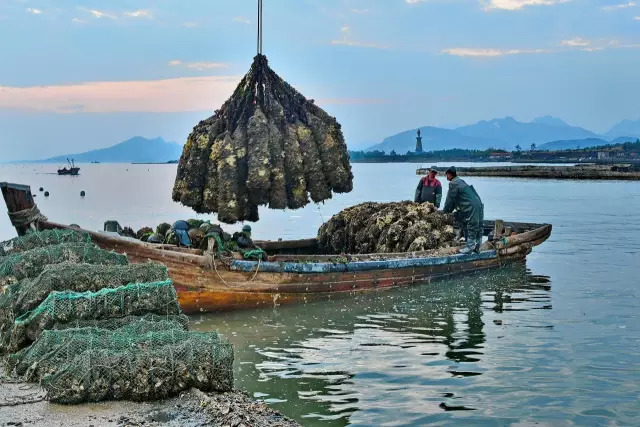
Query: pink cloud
{"x": 158, "y": 96}
{"x": 154, "y": 96}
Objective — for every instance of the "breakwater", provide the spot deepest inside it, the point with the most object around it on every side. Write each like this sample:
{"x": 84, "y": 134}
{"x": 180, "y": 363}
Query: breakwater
{"x": 589, "y": 172}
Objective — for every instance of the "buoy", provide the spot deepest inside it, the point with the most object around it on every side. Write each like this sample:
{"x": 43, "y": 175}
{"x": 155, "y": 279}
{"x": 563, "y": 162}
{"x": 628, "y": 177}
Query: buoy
{"x": 41, "y": 189}
{"x": 46, "y": 194}
{"x": 82, "y": 193}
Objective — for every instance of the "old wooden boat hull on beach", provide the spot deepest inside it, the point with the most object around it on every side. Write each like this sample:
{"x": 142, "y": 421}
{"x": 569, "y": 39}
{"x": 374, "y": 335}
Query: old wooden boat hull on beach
{"x": 293, "y": 272}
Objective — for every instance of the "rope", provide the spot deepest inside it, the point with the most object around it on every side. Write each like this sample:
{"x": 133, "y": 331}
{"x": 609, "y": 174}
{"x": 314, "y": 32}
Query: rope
{"x": 26, "y": 217}
{"x": 215, "y": 268}
{"x": 259, "y": 27}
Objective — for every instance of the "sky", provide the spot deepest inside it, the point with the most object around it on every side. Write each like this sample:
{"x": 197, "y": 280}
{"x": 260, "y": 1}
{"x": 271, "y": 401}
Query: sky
{"x": 79, "y": 75}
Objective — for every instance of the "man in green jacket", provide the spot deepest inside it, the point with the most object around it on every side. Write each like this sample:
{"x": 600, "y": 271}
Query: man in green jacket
{"x": 464, "y": 198}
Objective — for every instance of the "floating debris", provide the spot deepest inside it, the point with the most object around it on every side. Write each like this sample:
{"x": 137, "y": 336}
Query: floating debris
{"x": 267, "y": 145}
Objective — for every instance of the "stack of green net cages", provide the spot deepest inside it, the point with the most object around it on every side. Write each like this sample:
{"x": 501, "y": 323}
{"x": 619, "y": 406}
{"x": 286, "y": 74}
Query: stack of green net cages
{"x": 41, "y": 239}
{"x": 89, "y": 326}
{"x": 30, "y": 263}
{"x": 63, "y": 307}
{"x": 27, "y": 294}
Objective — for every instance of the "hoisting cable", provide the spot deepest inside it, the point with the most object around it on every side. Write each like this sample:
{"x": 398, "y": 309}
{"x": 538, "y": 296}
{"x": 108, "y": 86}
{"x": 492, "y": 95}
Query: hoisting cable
{"x": 259, "y": 27}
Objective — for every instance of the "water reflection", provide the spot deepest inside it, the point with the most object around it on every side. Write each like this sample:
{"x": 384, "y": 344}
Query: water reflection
{"x": 369, "y": 358}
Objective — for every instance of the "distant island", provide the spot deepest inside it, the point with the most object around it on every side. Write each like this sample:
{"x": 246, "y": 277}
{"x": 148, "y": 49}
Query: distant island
{"x": 507, "y": 134}
{"x": 620, "y": 152}
{"x": 134, "y": 150}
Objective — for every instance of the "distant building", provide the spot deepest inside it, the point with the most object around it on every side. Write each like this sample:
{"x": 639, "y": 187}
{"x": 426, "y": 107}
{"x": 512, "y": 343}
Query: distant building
{"x": 419, "y": 148}
{"x": 604, "y": 155}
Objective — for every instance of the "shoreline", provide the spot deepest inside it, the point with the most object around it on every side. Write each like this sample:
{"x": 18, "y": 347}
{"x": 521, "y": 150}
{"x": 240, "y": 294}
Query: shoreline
{"x": 580, "y": 172}
{"x": 23, "y": 404}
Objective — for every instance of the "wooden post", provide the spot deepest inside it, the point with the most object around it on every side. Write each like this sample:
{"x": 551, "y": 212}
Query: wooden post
{"x": 18, "y": 198}
{"x": 497, "y": 229}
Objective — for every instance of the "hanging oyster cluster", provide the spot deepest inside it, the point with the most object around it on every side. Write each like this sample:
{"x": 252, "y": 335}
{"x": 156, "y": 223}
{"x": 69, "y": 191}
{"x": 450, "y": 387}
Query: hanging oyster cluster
{"x": 266, "y": 146}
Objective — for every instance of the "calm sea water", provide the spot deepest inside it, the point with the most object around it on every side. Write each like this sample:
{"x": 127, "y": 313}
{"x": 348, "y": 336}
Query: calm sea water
{"x": 554, "y": 342}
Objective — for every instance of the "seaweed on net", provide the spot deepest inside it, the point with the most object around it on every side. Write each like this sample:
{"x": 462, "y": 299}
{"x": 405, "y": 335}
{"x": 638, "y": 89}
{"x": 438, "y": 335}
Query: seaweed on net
{"x": 371, "y": 228}
{"x": 267, "y": 145}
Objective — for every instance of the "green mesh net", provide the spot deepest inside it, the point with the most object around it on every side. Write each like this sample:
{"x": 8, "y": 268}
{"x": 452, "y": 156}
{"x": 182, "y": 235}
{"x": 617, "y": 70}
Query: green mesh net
{"x": 57, "y": 348}
{"x": 91, "y": 327}
{"x": 69, "y": 276}
{"x": 64, "y": 307}
{"x": 41, "y": 239}
{"x": 118, "y": 322}
{"x": 31, "y": 263}
{"x": 138, "y": 367}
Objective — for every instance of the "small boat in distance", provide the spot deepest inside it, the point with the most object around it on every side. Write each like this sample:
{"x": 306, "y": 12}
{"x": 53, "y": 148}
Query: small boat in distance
{"x": 72, "y": 170}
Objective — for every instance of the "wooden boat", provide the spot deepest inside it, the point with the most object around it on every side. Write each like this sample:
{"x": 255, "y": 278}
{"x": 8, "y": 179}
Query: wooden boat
{"x": 294, "y": 271}
{"x": 72, "y": 170}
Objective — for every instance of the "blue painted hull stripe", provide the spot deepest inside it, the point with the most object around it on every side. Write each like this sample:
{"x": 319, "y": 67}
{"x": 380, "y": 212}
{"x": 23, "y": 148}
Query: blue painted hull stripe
{"x": 326, "y": 267}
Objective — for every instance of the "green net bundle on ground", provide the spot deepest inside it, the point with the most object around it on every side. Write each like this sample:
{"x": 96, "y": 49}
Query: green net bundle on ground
{"x": 64, "y": 307}
{"x": 75, "y": 277}
{"x": 266, "y": 146}
{"x": 149, "y": 367}
{"x": 55, "y": 349}
{"x": 371, "y": 228}
{"x": 40, "y": 239}
{"x": 31, "y": 263}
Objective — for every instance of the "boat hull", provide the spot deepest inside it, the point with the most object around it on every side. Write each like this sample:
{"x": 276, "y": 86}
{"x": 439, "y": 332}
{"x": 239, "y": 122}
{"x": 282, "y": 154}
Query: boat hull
{"x": 205, "y": 284}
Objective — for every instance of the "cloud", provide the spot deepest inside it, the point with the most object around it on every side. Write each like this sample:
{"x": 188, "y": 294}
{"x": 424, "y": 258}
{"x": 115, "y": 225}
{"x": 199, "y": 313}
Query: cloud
{"x": 199, "y": 66}
{"x": 34, "y": 11}
{"x": 140, "y": 13}
{"x": 184, "y": 94}
{"x": 518, "y": 4}
{"x": 355, "y": 43}
{"x": 489, "y": 53}
{"x": 99, "y": 14}
{"x": 360, "y": 11}
{"x": 78, "y": 21}
{"x": 619, "y": 6}
{"x": 637, "y": 18}
{"x": 352, "y": 101}
{"x": 157, "y": 96}
{"x": 576, "y": 42}
{"x": 242, "y": 20}
{"x": 190, "y": 24}
{"x": 346, "y": 40}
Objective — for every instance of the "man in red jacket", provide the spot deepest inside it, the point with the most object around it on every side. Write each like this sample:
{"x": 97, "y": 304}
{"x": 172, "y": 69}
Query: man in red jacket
{"x": 429, "y": 188}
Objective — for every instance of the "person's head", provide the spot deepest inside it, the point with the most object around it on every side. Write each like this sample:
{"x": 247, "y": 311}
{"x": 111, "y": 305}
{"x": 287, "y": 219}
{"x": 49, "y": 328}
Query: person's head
{"x": 451, "y": 173}
{"x": 433, "y": 171}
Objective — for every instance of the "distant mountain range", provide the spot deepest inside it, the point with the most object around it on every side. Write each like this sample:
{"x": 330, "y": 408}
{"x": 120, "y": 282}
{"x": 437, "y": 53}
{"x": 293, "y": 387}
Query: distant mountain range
{"x": 134, "y": 150}
{"x": 548, "y": 133}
